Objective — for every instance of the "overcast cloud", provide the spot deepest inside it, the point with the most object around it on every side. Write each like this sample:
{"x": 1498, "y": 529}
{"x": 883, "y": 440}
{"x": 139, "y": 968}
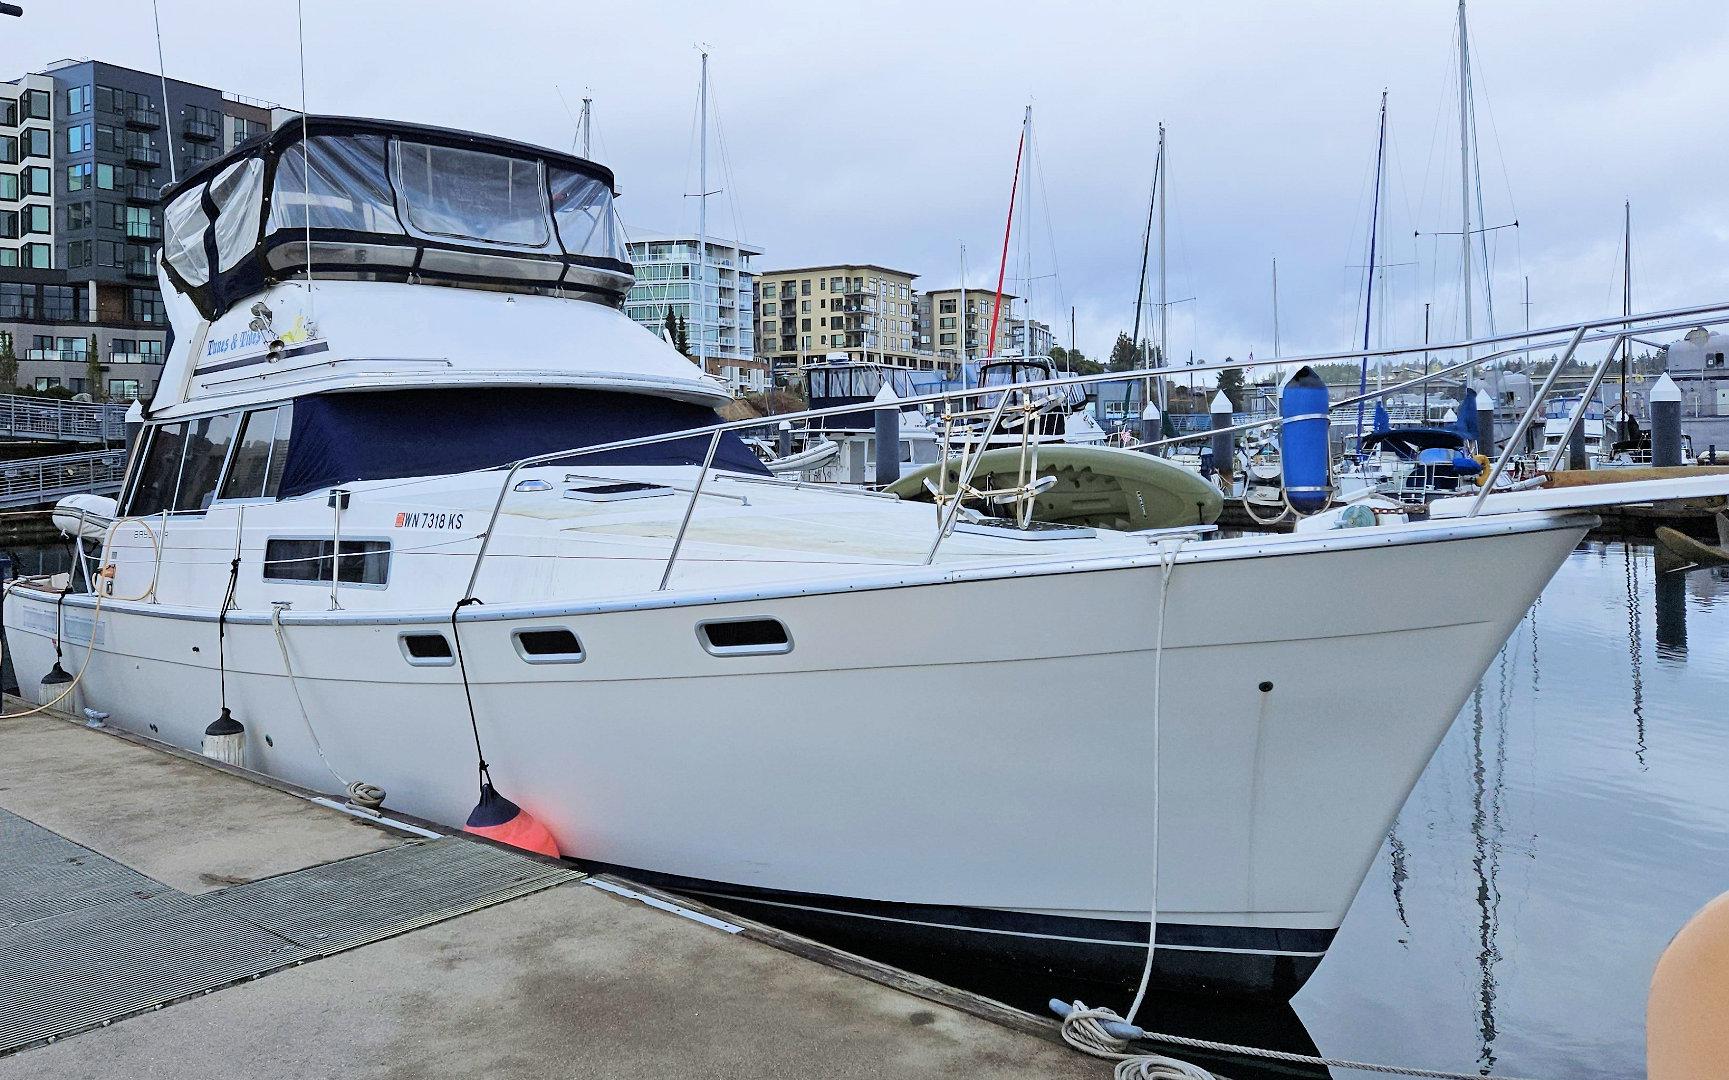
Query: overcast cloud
{"x": 885, "y": 132}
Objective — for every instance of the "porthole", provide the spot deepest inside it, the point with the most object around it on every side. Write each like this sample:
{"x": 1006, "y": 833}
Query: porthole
{"x": 427, "y": 650}
{"x": 548, "y": 645}
{"x": 744, "y": 637}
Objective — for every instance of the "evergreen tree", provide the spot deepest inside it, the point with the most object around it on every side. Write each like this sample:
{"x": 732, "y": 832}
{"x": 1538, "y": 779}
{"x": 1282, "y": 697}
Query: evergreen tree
{"x": 93, "y": 371}
{"x": 8, "y": 365}
{"x": 1231, "y": 382}
{"x": 1124, "y": 355}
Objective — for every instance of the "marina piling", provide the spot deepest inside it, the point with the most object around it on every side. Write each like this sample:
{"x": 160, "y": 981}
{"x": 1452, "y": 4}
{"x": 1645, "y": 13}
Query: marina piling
{"x": 1576, "y": 449}
{"x": 1150, "y": 418}
{"x": 888, "y": 440}
{"x": 1486, "y": 422}
{"x": 1223, "y": 440}
{"x": 1665, "y": 422}
{"x": 783, "y": 439}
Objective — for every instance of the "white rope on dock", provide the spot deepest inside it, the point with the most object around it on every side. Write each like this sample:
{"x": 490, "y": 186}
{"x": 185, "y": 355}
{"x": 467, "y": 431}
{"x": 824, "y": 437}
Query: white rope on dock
{"x": 1091, "y": 1032}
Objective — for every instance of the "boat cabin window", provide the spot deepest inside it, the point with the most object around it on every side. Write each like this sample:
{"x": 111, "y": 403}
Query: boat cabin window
{"x": 160, "y": 471}
{"x": 340, "y": 183}
{"x": 309, "y": 561}
{"x": 259, "y": 456}
{"x": 744, "y": 637}
{"x": 472, "y": 195}
{"x": 207, "y": 443}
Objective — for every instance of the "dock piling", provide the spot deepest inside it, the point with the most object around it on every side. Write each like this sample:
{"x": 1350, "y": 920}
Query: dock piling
{"x": 1665, "y": 422}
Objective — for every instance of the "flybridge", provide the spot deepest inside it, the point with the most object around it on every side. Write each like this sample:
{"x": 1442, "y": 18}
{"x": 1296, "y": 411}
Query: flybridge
{"x": 385, "y": 201}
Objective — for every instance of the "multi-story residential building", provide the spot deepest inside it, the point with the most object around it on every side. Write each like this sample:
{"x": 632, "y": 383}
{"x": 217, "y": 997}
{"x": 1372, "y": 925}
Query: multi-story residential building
{"x": 85, "y": 148}
{"x": 942, "y": 323}
{"x": 720, "y": 326}
{"x": 1043, "y": 339}
{"x": 866, "y": 312}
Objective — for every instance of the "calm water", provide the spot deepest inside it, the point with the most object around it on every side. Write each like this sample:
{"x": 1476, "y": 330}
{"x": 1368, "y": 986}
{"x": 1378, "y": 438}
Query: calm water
{"x": 1574, "y": 817}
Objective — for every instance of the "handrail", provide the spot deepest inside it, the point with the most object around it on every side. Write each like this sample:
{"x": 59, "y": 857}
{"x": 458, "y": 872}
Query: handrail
{"x": 1576, "y": 415}
{"x": 1526, "y": 420}
{"x": 1582, "y": 331}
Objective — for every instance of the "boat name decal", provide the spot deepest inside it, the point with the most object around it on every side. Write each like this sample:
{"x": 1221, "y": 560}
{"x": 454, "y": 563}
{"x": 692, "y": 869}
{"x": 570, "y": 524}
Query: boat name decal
{"x": 428, "y": 520}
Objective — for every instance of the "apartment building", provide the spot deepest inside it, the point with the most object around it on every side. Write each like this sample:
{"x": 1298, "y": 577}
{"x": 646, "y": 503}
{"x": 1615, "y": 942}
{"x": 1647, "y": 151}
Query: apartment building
{"x": 85, "y": 148}
{"x": 954, "y": 334}
{"x": 718, "y": 314}
{"x": 1017, "y": 332}
{"x": 863, "y": 311}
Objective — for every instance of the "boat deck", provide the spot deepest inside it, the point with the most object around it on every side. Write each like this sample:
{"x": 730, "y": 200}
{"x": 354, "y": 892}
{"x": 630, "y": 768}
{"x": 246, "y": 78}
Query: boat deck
{"x": 160, "y": 915}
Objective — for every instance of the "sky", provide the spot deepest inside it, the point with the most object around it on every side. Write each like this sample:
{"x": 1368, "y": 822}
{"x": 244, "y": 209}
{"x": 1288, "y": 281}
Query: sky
{"x": 885, "y": 132}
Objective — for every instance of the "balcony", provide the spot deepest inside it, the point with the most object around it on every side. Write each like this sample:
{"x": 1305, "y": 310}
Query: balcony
{"x": 144, "y": 119}
{"x": 141, "y": 194}
{"x": 200, "y": 131}
{"x": 143, "y": 230}
{"x": 134, "y": 358}
{"x": 141, "y": 266}
{"x": 147, "y": 156}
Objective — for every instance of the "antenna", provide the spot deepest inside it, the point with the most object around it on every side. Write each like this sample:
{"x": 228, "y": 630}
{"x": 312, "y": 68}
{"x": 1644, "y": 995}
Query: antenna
{"x": 587, "y": 123}
{"x": 305, "y": 149}
{"x": 162, "y": 73}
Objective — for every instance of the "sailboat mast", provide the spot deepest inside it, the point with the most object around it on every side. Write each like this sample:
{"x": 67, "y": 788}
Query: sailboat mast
{"x": 1626, "y": 297}
{"x": 1465, "y": 176}
{"x": 700, "y": 294}
{"x": 1374, "y": 237}
{"x": 587, "y": 121}
{"x": 1027, "y": 249}
{"x": 966, "y": 346}
{"x": 1008, "y": 230}
{"x": 1275, "y": 307}
{"x": 1164, "y": 306}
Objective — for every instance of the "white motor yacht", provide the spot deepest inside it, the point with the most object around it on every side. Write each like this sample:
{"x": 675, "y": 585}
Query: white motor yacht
{"x": 368, "y": 516}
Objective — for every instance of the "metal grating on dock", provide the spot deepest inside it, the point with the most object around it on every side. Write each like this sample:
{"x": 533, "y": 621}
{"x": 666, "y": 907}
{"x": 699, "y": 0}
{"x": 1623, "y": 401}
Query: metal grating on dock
{"x": 105, "y": 956}
{"x": 43, "y": 874}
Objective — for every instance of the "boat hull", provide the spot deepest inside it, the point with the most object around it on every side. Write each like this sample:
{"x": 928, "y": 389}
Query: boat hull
{"x": 935, "y": 745}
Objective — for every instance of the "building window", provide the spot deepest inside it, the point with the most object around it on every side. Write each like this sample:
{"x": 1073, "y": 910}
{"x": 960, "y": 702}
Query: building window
{"x": 44, "y": 382}
{"x": 947, "y": 307}
{"x": 946, "y": 339}
{"x": 78, "y": 176}
{"x": 79, "y": 138}
{"x": 77, "y": 99}
{"x": 804, "y": 290}
{"x": 804, "y": 343}
{"x": 37, "y": 256}
{"x": 38, "y": 181}
{"x": 105, "y": 177}
{"x": 804, "y": 308}
{"x": 145, "y": 306}
{"x": 804, "y": 324}
{"x": 122, "y": 389}
{"x": 768, "y": 291}
{"x": 17, "y": 301}
{"x": 946, "y": 323}
{"x": 8, "y": 256}
{"x": 8, "y": 224}
{"x": 36, "y": 219}
{"x": 836, "y": 284}
{"x": 8, "y": 149}
{"x": 151, "y": 351}
{"x": 37, "y": 105}
{"x": 77, "y": 216}
{"x": 8, "y": 187}
{"x": 37, "y": 142}
{"x": 78, "y": 254}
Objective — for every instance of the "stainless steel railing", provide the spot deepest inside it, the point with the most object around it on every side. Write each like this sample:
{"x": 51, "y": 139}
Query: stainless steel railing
{"x": 1610, "y": 329}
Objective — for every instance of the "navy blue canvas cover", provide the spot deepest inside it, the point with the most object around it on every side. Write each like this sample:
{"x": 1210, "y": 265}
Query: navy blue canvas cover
{"x": 394, "y": 434}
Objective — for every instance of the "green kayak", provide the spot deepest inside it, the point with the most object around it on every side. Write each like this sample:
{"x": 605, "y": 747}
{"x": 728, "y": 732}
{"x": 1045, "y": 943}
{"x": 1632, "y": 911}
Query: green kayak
{"x": 1097, "y": 486}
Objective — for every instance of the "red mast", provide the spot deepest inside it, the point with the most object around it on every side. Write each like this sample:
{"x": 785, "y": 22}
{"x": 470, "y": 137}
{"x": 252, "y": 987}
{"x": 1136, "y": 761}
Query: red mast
{"x": 1003, "y": 266}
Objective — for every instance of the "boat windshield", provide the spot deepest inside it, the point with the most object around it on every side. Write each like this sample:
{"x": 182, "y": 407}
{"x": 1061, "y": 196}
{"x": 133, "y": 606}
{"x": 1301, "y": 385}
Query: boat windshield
{"x": 856, "y": 381}
{"x": 1011, "y": 372}
{"x": 383, "y": 200}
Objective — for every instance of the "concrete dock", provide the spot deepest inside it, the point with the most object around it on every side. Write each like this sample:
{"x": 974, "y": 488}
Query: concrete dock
{"x": 164, "y": 917}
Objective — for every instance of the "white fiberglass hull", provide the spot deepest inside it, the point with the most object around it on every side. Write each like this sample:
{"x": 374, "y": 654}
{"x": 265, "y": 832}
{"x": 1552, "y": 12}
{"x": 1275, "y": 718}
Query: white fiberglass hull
{"x": 936, "y": 763}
